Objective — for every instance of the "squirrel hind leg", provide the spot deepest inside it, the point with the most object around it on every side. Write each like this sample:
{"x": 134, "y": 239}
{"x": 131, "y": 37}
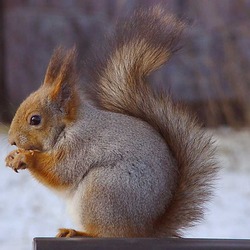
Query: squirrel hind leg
{"x": 69, "y": 233}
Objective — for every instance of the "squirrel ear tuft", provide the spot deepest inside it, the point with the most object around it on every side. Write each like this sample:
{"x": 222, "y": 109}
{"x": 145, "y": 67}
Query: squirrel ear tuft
{"x": 54, "y": 66}
{"x": 61, "y": 74}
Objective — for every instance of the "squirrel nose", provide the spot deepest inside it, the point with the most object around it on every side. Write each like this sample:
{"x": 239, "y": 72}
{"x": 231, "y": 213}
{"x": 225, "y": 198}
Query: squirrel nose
{"x": 12, "y": 141}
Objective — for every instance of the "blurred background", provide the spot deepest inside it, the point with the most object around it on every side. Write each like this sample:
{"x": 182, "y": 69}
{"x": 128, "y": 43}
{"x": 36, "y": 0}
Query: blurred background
{"x": 210, "y": 75}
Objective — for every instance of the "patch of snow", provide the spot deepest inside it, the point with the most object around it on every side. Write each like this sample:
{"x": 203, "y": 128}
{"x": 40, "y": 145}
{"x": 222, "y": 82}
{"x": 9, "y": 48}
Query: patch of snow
{"x": 27, "y": 208}
{"x": 228, "y": 213}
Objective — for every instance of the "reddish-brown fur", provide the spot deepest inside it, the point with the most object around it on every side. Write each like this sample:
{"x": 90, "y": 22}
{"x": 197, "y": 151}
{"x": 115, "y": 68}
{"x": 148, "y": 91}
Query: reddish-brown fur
{"x": 61, "y": 71}
{"x": 40, "y": 164}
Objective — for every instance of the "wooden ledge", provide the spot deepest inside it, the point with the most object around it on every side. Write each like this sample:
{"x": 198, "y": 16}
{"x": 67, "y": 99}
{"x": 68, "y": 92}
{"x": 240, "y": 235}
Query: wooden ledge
{"x": 138, "y": 244}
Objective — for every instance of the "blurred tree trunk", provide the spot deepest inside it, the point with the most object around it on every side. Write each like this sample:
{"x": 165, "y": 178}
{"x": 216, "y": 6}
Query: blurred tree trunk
{"x": 4, "y": 110}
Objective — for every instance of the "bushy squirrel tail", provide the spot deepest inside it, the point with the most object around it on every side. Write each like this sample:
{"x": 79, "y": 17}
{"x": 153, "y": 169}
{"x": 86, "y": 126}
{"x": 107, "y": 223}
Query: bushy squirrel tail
{"x": 140, "y": 45}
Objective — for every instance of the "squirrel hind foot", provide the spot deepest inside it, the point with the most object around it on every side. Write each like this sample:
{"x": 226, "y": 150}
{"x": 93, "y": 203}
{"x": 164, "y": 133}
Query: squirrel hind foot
{"x": 69, "y": 233}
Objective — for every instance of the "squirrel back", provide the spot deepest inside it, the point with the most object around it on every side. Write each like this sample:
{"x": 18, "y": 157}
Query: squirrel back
{"x": 140, "y": 45}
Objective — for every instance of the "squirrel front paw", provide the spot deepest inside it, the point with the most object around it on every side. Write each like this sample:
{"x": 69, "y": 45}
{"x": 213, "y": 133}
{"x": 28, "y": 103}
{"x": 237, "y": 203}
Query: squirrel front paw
{"x": 18, "y": 159}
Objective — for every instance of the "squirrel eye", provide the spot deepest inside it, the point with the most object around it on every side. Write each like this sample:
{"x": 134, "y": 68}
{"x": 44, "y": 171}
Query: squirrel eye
{"x": 35, "y": 120}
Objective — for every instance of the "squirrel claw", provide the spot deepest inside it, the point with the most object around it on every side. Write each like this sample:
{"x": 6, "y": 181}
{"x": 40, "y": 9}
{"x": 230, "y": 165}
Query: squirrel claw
{"x": 15, "y": 169}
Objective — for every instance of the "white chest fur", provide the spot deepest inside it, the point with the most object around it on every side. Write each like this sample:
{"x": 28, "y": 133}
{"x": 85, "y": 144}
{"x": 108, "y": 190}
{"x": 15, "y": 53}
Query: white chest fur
{"x": 75, "y": 204}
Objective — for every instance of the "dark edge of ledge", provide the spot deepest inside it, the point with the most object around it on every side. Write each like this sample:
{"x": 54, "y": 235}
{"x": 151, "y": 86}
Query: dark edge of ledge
{"x": 138, "y": 244}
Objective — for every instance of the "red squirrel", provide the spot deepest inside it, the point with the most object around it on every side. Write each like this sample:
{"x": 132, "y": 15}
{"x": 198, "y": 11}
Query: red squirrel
{"x": 129, "y": 161}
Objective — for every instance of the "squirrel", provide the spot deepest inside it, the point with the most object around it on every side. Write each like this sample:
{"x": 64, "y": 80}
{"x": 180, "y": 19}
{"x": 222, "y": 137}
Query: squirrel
{"x": 129, "y": 161}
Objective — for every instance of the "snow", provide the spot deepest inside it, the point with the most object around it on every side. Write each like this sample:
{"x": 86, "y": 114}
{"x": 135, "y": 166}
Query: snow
{"x": 228, "y": 213}
{"x": 28, "y": 210}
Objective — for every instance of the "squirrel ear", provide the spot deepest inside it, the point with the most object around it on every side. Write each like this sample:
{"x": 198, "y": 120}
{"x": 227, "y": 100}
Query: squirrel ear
{"x": 61, "y": 75}
{"x": 55, "y": 65}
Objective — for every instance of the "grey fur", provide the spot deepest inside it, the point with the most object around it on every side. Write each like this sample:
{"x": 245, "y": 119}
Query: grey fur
{"x": 133, "y": 180}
